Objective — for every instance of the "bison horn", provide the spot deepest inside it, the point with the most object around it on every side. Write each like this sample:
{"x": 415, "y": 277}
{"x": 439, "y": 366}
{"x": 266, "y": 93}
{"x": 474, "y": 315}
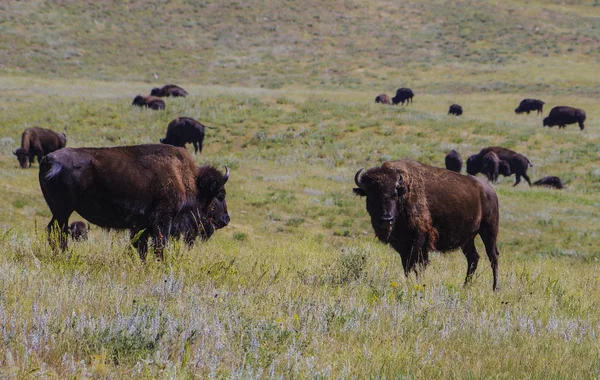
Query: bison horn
{"x": 357, "y": 179}
{"x": 15, "y": 152}
{"x": 226, "y": 176}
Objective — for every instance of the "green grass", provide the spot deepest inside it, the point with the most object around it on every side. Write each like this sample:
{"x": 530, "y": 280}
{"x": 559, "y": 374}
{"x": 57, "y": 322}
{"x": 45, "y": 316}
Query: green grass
{"x": 296, "y": 285}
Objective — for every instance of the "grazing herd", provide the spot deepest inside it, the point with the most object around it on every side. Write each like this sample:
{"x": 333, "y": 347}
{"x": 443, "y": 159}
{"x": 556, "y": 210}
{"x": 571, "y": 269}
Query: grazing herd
{"x": 158, "y": 192}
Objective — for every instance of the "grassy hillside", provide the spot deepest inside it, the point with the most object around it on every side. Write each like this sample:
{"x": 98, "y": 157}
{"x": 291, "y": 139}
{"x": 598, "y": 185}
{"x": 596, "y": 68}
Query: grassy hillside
{"x": 296, "y": 285}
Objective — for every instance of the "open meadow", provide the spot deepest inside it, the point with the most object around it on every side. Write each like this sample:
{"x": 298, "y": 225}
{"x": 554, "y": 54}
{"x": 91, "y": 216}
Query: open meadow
{"x": 297, "y": 286}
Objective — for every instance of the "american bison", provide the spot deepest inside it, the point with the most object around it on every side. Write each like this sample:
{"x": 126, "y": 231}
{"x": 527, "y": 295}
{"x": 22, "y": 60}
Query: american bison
{"x": 151, "y": 190}
{"x": 514, "y": 163}
{"x": 79, "y": 230}
{"x": 552, "y": 181}
{"x": 453, "y": 161}
{"x": 528, "y": 105}
{"x": 490, "y": 166}
{"x": 38, "y": 142}
{"x": 169, "y": 90}
{"x": 417, "y": 208}
{"x": 403, "y": 94}
{"x": 563, "y": 115}
{"x": 185, "y": 130}
{"x": 151, "y": 102}
{"x": 455, "y": 109}
{"x": 383, "y": 99}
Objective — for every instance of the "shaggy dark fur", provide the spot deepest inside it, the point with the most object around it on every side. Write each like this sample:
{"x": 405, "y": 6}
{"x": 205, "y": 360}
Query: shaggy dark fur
{"x": 151, "y": 102}
{"x": 383, "y": 99}
{"x": 454, "y": 161}
{"x": 417, "y": 208}
{"x": 553, "y": 181}
{"x": 151, "y": 190}
{"x": 514, "y": 163}
{"x": 38, "y": 142}
{"x": 528, "y": 105}
{"x": 403, "y": 94}
{"x": 490, "y": 166}
{"x": 169, "y": 90}
{"x": 185, "y": 130}
{"x": 455, "y": 109}
{"x": 563, "y": 115}
{"x": 79, "y": 230}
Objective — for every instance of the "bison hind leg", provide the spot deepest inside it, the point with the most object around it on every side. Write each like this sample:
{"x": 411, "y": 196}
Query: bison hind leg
{"x": 472, "y": 256}
{"x": 489, "y": 237}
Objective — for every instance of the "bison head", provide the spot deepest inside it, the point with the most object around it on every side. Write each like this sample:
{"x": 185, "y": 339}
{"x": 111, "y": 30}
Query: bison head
{"x": 139, "y": 101}
{"x": 23, "y": 157}
{"x": 383, "y": 187}
{"x": 518, "y": 110}
{"x": 211, "y": 189}
{"x": 473, "y": 164}
{"x": 547, "y": 121}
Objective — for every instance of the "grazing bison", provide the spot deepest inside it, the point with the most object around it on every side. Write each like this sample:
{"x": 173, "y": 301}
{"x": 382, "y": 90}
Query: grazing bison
{"x": 553, "y": 181}
{"x": 490, "y": 166}
{"x": 151, "y": 190}
{"x": 514, "y": 163}
{"x": 383, "y": 99}
{"x": 79, "y": 230}
{"x": 185, "y": 130}
{"x": 528, "y": 105}
{"x": 563, "y": 115}
{"x": 169, "y": 90}
{"x": 417, "y": 208}
{"x": 455, "y": 109}
{"x": 38, "y": 142}
{"x": 454, "y": 161}
{"x": 151, "y": 102}
{"x": 403, "y": 94}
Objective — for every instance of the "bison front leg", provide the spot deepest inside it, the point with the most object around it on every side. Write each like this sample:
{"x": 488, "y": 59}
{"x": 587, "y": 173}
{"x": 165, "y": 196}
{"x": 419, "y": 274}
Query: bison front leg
{"x": 160, "y": 237}
{"x": 472, "y": 258}
{"x": 58, "y": 233}
{"x": 139, "y": 241}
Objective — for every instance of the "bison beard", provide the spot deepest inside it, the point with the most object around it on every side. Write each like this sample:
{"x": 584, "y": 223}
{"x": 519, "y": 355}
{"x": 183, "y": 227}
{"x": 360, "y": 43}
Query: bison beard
{"x": 417, "y": 208}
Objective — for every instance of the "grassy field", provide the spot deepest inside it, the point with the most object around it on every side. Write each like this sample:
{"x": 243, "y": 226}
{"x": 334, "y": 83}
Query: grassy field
{"x": 297, "y": 286}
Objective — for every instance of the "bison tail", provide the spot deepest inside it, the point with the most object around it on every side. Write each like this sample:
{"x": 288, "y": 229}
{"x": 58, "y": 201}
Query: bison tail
{"x": 54, "y": 170}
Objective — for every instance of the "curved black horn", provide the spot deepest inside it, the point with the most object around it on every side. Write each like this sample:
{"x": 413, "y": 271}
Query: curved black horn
{"x": 226, "y": 176}
{"x": 356, "y": 179}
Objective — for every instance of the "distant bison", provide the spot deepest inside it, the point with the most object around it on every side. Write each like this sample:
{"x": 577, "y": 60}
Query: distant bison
{"x": 553, "y": 181}
{"x": 151, "y": 190}
{"x": 511, "y": 162}
{"x": 417, "y": 208}
{"x": 169, "y": 90}
{"x": 185, "y": 130}
{"x": 490, "y": 166}
{"x": 38, "y": 142}
{"x": 455, "y": 109}
{"x": 151, "y": 102}
{"x": 79, "y": 230}
{"x": 383, "y": 99}
{"x": 454, "y": 161}
{"x": 528, "y": 105}
{"x": 563, "y": 115}
{"x": 403, "y": 94}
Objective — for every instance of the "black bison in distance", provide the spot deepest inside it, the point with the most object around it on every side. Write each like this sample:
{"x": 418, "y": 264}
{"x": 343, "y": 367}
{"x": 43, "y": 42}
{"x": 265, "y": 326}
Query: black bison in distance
{"x": 417, "y": 208}
{"x": 455, "y": 109}
{"x": 169, "y": 90}
{"x": 185, "y": 130}
{"x": 552, "y": 181}
{"x": 38, "y": 142}
{"x": 528, "y": 105}
{"x": 151, "y": 190}
{"x": 383, "y": 99}
{"x": 563, "y": 115}
{"x": 510, "y": 163}
{"x": 453, "y": 161}
{"x": 151, "y": 102}
{"x": 403, "y": 94}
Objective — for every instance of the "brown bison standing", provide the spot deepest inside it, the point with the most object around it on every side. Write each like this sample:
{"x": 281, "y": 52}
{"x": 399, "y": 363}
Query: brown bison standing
{"x": 510, "y": 163}
{"x": 453, "y": 161}
{"x": 151, "y": 102}
{"x": 185, "y": 130}
{"x": 383, "y": 99}
{"x": 151, "y": 190}
{"x": 38, "y": 142}
{"x": 563, "y": 115}
{"x": 417, "y": 208}
{"x": 403, "y": 94}
{"x": 528, "y": 105}
{"x": 169, "y": 90}
{"x": 490, "y": 166}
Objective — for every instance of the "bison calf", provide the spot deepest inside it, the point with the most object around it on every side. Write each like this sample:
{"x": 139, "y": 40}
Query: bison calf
{"x": 417, "y": 208}
{"x": 528, "y": 105}
{"x": 38, "y": 142}
{"x": 169, "y": 90}
{"x": 453, "y": 161}
{"x": 563, "y": 115}
{"x": 151, "y": 102}
{"x": 455, "y": 109}
{"x": 79, "y": 230}
{"x": 185, "y": 130}
{"x": 383, "y": 99}
{"x": 553, "y": 181}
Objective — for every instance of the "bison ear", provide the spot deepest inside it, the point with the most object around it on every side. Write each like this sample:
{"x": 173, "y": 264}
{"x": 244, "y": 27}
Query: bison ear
{"x": 359, "y": 191}
{"x": 401, "y": 186}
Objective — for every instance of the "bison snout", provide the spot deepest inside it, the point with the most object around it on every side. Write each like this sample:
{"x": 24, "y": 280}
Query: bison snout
{"x": 387, "y": 218}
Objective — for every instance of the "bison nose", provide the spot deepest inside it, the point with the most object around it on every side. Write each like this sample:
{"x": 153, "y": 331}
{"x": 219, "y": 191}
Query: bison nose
{"x": 387, "y": 218}
{"x": 225, "y": 220}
